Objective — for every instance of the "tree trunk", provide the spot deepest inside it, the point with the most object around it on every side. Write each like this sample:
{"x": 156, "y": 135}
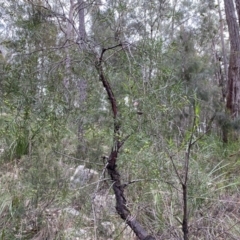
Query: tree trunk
{"x": 233, "y": 87}
{"x": 118, "y": 187}
{"x": 223, "y": 81}
{"x": 81, "y": 28}
{"x": 238, "y": 10}
{"x": 69, "y": 36}
{"x": 82, "y": 83}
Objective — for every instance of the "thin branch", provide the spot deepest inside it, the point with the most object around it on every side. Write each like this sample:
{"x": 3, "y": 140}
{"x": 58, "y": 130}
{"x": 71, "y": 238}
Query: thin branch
{"x": 188, "y": 151}
{"x": 175, "y": 170}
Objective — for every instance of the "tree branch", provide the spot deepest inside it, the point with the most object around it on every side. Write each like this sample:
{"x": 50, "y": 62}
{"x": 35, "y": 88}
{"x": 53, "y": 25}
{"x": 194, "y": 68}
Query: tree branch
{"x": 118, "y": 187}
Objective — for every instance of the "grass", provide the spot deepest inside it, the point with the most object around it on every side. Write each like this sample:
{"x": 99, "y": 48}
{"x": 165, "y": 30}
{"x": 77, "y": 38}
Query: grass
{"x": 35, "y": 196}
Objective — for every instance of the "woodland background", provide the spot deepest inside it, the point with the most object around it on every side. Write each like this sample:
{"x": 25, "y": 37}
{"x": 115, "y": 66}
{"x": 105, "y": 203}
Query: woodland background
{"x": 145, "y": 93}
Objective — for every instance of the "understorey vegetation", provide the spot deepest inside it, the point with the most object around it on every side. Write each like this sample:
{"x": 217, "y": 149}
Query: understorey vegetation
{"x": 119, "y": 120}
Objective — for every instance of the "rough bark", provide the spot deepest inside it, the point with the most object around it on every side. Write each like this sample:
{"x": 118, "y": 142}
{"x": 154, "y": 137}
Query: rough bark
{"x": 118, "y": 187}
{"x": 69, "y": 36}
{"x": 223, "y": 82}
{"x": 82, "y": 83}
{"x": 233, "y": 87}
{"x": 81, "y": 27}
{"x": 238, "y": 10}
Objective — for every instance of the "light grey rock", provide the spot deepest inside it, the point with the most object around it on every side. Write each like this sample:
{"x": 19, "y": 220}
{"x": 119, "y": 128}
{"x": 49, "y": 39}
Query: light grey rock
{"x": 73, "y": 234}
{"x": 83, "y": 176}
{"x": 71, "y": 211}
{"x": 104, "y": 205}
{"x": 108, "y": 228}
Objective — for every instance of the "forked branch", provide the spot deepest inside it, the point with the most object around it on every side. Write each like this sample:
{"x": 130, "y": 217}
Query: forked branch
{"x": 118, "y": 187}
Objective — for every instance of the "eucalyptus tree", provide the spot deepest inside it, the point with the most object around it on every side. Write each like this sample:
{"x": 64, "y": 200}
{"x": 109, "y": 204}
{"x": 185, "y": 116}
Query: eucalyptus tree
{"x": 233, "y": 87}
{"x": 233, "y": 96}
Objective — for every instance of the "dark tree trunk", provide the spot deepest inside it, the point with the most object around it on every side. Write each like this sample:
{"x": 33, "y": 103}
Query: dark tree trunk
{"x": 118, "y": 187}
{"x": 238, "y": 10}
{"x": 233, "y": 87}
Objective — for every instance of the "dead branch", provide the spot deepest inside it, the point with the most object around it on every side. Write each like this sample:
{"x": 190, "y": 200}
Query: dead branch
{"x": 118, "y": 187}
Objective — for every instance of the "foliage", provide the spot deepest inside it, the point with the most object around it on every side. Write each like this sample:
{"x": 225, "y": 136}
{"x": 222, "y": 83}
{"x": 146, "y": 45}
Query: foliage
{"x": 160, "y": 61}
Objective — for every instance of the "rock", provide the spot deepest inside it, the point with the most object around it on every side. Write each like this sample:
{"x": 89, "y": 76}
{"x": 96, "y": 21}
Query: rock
{"x": 83, "y": 176}
{"x": 73, "y": 234}
{"x": 71, "y": 211}
{"x": 10, "y": 177}
{"x": 127, "y": 232}
{"x": 104, "y": 204}
{"x": 108, "y": 229}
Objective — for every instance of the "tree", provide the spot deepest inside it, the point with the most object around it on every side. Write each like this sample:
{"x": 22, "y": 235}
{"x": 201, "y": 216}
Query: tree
{"x": 233, "y": 85}
{"x": 126, "y": 88}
